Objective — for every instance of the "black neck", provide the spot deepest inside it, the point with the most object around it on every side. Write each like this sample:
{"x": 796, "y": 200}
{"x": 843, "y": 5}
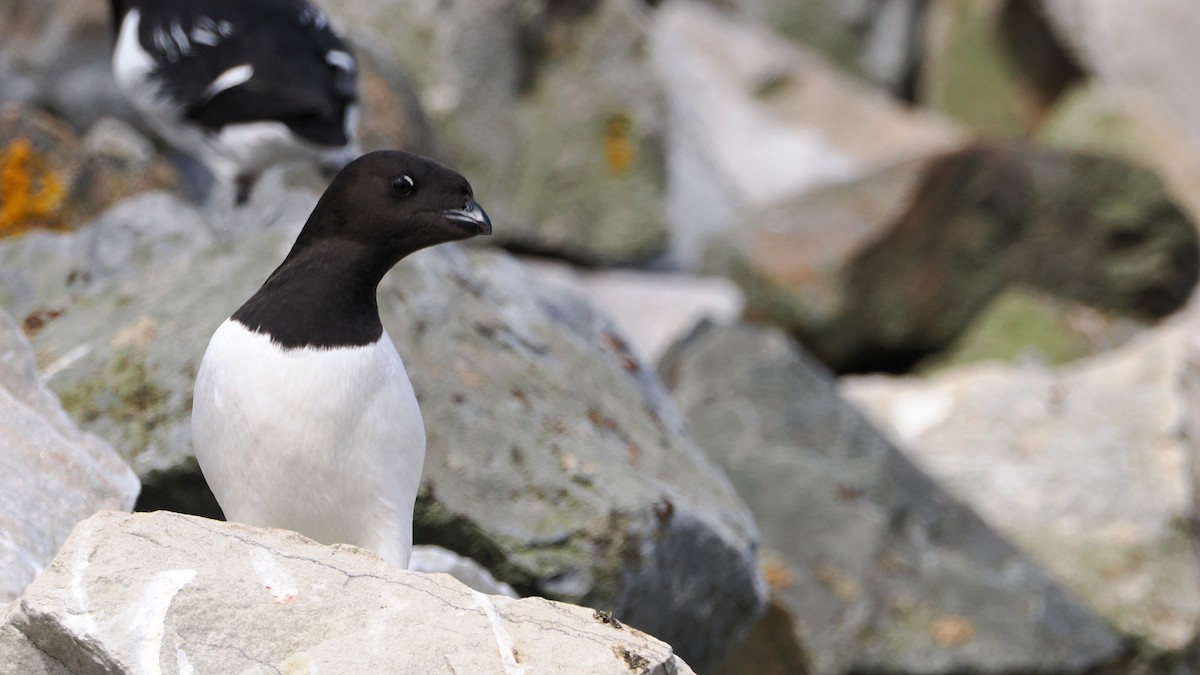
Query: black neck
{"x": 319, "y": 297}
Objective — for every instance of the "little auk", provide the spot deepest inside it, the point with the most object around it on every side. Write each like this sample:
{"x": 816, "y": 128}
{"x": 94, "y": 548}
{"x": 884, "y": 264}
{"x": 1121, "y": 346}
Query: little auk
{"x": 239, "y": 84}
{"x": 303, "y": 416}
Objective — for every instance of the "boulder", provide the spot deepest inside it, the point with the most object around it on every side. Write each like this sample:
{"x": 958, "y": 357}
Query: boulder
{"x": 994, "y": 65}
{"x": 1026, "y": 326}
{"x": 555, "y": 458}
{"x": 1095, "y": 118}
{"x": 877, "y": 40}
{"x": 168, "y": 593}
{"x": 1141, "y": 51}
{"x": 1139, "y": 57}
{"x": 52, "y": 475}
{"x": 879, "y": 273}
{"x": 753, "y": 118}
{"x": 1082, "y": 466}
{"x": 42, "y": 272}
{"x": 51, "y": 179}
{"x": 551, "y": 108}
{"x": 882, "y": 569}
{"x": 652, "y": 309}
{"x": 57, "y": 55}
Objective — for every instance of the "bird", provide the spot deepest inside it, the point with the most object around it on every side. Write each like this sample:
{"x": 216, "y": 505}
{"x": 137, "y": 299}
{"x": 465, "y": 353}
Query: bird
{"x": 239, "y": 84}
{"x": 303, "y": 416}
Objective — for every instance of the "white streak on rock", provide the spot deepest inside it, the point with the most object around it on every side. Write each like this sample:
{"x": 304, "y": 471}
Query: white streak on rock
{"x": 273, "y": 577}
{"x": 182, "y": 664}
{"x": 503, "y": 640}
{"x": 148, "y": 625}
{"x": 79, "y": 615}
{"x": 65, "y": 361}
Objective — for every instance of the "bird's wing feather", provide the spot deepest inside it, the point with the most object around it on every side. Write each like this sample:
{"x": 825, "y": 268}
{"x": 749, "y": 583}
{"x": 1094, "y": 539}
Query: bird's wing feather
{"x": 199, "y": 49}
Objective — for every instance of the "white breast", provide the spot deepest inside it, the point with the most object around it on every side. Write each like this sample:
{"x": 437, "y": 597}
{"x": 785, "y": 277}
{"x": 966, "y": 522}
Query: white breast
{"x": 326, "y": 442}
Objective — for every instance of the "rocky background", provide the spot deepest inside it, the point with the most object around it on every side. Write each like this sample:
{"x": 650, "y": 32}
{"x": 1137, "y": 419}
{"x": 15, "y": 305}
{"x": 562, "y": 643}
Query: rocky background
{"x": 816, "y": 336}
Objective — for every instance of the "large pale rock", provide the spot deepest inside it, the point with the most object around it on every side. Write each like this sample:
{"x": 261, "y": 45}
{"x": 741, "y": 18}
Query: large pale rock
{"x": 1140, "y": 57}
{"x": 877, "y": 39}
{"x": 754, "y": 118}
{"x": 167, "y": 593}
{"x": 882, "y": 570}
{"x": 555, "y": 458}
{"x": 879, "y": 273}
{"x": 1142, "y": 51}
{"x": 551, "y": 108}
{"x": 51, "y": 474}
{"x": 1083, "y": 466}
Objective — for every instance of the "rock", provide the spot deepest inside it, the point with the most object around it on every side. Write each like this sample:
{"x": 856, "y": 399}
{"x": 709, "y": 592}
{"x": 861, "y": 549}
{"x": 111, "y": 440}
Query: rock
{"x": 592, "y": 494}
{"x": 1139, "y": 58}
{"x": 879, "y": 273}
{"x": 753, "y": 119}
{"x": 875, "y": 39}
{"x": 51, "y": 474}
{"x": 1095, "y": 118}
{"x": 1026, "y": 326}
{"x": 551, "y": 108}
{"x": 882, "y": 569}
{"x": 652, "y": 309}
{"x": 168, "y": 593}
{"x": 1140, "y": 52}
{"x": 57, "y": 55}
{"x": 1083, "y": 466}
{"x": 41, "y": 273}
{"x": 50, "y": 179}
{"x": 994, "y": 65}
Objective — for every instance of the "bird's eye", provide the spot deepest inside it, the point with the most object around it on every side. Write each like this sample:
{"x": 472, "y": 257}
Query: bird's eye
{"x": 403, "y": 186}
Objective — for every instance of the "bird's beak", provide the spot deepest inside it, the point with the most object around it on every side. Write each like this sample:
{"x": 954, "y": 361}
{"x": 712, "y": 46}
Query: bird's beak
{"x": 472, "y": 215}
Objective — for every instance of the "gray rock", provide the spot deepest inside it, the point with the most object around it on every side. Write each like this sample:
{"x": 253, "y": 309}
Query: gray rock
{"x": 51, "y": 474}
{"x": 56, "y": 55}
{"x": 753, "y": 118}
{"x": 555, "y": 458}
{"x": 167, "y": 593}
{"x": 42, "y": 272}
{"x": 878, "y": 273}
{"x": 1080, "y": 466}
{"x": 551, "y": 109}
{"x": 882, "y": 570}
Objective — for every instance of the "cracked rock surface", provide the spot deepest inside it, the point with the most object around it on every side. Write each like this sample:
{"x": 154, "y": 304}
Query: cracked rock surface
{"x": 168, "y": 593}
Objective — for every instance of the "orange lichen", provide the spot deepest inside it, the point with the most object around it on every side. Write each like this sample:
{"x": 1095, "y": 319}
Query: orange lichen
{"x": 952, "y": 630}
{"x": 618, "y": 148}
{"x": 30, "y": 191}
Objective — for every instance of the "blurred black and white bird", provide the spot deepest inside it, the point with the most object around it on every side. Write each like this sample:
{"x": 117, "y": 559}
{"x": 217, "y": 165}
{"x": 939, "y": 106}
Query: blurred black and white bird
{"x": 239, "y": 84}
{"x": 303, "y": 416}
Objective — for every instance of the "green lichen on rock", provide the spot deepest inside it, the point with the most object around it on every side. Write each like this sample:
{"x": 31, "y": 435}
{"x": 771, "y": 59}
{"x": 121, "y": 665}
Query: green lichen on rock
{"x": 126, "y": 394}
{"x": 1023, "y": 323}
